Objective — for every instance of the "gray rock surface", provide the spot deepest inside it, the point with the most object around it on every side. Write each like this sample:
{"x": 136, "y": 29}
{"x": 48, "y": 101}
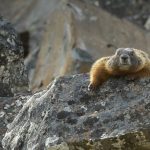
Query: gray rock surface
{"x": 13, "y": 77}
{"x": 66, "y": 116}
{"x": 9, "y": 107}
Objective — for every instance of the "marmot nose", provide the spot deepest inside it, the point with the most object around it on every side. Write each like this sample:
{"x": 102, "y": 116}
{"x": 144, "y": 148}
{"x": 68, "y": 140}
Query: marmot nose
{"x": 124, "y": 57}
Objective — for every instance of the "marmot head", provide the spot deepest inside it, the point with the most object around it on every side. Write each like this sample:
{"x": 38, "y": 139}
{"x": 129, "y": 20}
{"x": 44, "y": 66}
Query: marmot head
{"x": 125, "y": 59}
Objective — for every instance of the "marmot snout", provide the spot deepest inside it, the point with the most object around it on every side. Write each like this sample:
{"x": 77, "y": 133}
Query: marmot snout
{"x": 124, "y": 57}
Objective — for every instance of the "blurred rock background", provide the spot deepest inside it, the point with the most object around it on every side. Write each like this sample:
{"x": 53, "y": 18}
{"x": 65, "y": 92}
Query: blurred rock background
{"x": 65, "y": 36}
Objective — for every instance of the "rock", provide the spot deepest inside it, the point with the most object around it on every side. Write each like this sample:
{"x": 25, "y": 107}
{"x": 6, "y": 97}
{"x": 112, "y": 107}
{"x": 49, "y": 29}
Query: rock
{"x": 136, "y": 11}
{"x": 9, "y": 108}
{"x": 13, "y": 77}
{"x": 67, "y": 116}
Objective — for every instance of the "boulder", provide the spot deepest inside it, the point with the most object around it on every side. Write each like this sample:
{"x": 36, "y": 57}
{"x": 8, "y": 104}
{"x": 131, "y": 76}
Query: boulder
{"x": 13, "y": 77}
{"x": 67, "y": 116}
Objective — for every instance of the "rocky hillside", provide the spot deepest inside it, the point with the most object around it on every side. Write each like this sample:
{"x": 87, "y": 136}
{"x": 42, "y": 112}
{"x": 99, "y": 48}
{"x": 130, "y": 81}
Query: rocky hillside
{"x": 62, "y": 38}
{"x": 13, "y": 77}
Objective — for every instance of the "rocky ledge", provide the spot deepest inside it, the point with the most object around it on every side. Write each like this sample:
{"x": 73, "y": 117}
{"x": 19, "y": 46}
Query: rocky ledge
{"x": 66, "y": 116}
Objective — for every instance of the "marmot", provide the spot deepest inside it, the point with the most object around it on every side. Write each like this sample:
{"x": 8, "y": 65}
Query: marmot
{"x": 126, "y": 61}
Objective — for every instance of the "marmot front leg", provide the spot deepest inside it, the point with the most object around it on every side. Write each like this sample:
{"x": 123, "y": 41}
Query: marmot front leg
{"x": 98, "y": 74}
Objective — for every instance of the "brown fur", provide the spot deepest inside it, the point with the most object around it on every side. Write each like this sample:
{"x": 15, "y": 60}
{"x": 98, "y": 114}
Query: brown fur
{"x": 102, "y": 69}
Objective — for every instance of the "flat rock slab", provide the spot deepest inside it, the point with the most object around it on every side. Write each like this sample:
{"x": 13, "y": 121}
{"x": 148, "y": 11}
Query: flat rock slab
{"x": 68, "y": 116}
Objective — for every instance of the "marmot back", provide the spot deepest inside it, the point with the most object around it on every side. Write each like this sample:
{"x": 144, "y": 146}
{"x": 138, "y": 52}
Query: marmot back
{"x": 126, "y": 61}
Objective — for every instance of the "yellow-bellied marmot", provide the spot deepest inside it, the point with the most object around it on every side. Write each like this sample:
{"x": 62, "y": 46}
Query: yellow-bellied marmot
{"x": 126, "y": 61}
